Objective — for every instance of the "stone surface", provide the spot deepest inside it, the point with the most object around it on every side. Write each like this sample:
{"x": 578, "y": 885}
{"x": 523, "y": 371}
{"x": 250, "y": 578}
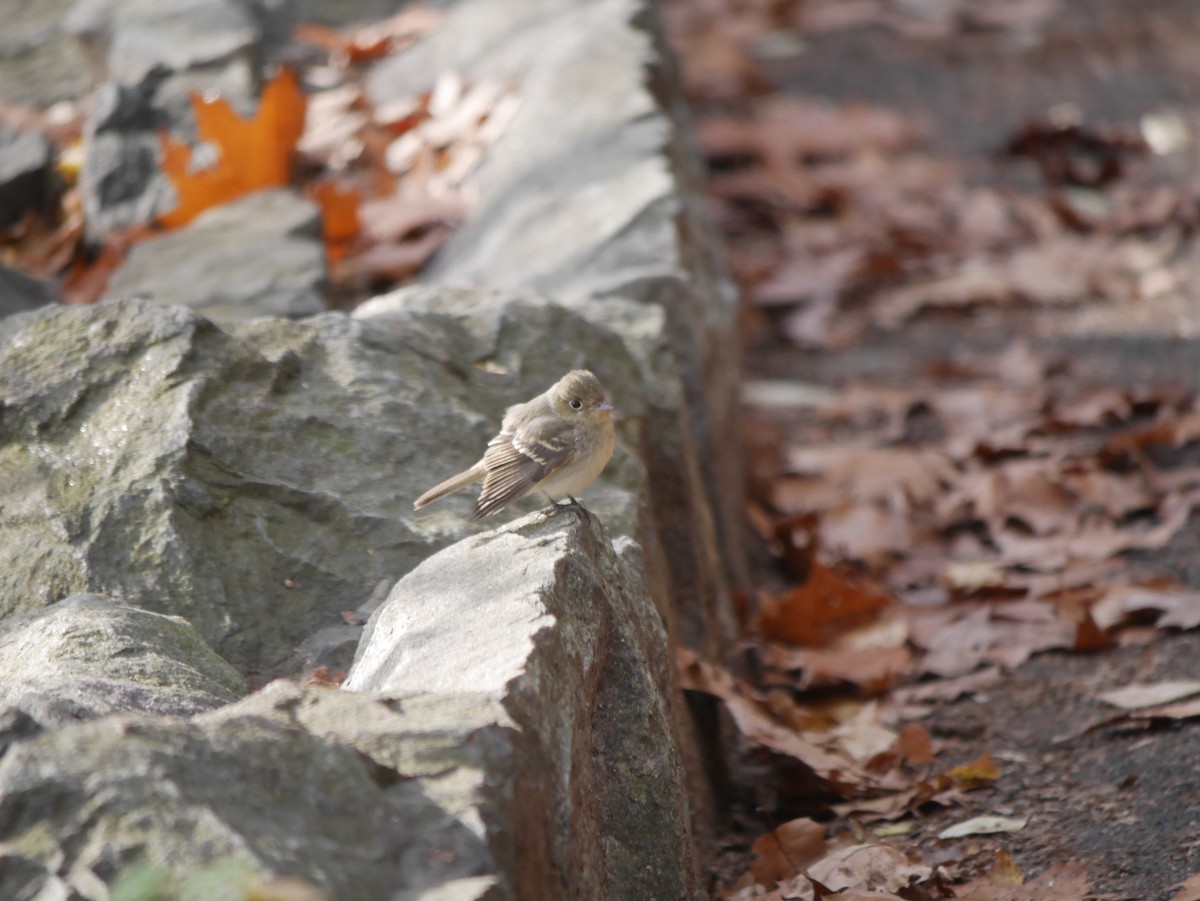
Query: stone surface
{"x": 40, "y": 63}
{"x": 511, "y": 738}
{"x": 85, "y": 803}
{"x": 515, "y": 730}
{"x": 261, "y": 255}
{"x": 88, "y": 656}
{"x": 26, "y": 175}
{"x": 149, "y": 56}
{"x": 551, "y": 637}
{"x": 121, "y": 186}
{"x": 590, "y": 198}
{"x": 19, "y": 293}
{"x": 130, "y": 39}
{"x": 259, "y": 481}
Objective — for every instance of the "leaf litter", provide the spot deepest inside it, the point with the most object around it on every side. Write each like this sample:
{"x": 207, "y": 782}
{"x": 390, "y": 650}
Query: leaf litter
{"x": 393, "y": 182}
{"x": 934, "y": 534}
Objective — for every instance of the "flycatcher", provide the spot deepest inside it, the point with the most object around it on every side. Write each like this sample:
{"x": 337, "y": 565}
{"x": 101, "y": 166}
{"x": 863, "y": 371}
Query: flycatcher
{"x": 556, "y": 444}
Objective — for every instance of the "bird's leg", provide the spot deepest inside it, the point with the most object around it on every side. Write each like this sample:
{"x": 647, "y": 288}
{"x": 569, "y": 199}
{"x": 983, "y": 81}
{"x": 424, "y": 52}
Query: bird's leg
{"x": 572, "y": 504}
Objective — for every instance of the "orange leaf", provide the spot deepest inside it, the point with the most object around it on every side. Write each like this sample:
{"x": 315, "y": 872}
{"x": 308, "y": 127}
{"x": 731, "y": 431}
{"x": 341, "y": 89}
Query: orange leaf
{"x": 254, "y": 153}
{"x": 340, "y": 223}
{"x": 915, "y": 745}
{"x": 976, "y": 774}
{"x": 818, "y": 611}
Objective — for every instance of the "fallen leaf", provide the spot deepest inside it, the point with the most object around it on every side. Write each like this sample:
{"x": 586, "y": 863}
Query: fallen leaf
{"x": 1179, "y": 606}
{"x": 1004, "y": 870}
{"x": 754, "y": 719}
{"x": 976, "y": 774}
{"x": 1188, "y": 890}
{"x": 340, "y": 223}
{"x": 864, "y": 735}
{"x": 915, "y": 745}
{"x": 1185, "y": 710}
{"x": 825, "y": 606}
{"x": 872, "y": 669}
{"x": 254, "y": 153}
{"x": 944, "y": 690}
{"x": 871, "y": 867}
{"x": 784, "y": 852}
{"x": 1061, "y": 882}
{"x": 984, "y": 825}
{"x": 1153, "y": 694}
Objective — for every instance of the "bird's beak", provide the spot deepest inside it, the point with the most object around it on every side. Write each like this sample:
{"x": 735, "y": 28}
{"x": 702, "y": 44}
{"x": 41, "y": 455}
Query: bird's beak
{"x": 605, "y": 407}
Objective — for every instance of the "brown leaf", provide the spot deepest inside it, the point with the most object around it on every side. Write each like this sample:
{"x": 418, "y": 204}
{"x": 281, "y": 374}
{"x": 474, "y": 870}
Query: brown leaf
{"x": 870, "y": 866}
{"x": 978, "y": 773}
{"x": 822, "y": 608}
{"x": 874, "y": 670}
{"x": 254, "y": 153}
{"x": 1179, "y": 606}
{"x": 755, "y": 721}
{"x": 785, "y": 852}
{"x": 915, "y": 745}
{"x": 947, "y": 689}
{"x": 1062, "y": 882}
{"x": 1188, "y": 890}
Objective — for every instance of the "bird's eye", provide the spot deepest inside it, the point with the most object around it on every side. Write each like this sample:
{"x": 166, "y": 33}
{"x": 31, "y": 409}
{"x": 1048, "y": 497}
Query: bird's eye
{"x": 576, "y": 404}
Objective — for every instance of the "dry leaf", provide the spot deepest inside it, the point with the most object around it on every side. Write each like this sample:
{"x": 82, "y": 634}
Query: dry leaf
{"x": 984, "y": 825}
{"x": 1149, "y": 695}
{"x": 871, "y": 867}
{"x": 816, "y": 612}
{"x": 781, "y": 854}
{"x": 1188, "y": 890}
{"x": 979, "y": 772}
{"x": 1062, "y": 882}
{"x": 755, "y": 721}
{"x": 254, "y": 153}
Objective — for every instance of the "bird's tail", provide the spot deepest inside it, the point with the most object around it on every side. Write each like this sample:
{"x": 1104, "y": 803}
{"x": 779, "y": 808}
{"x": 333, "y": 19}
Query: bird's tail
{"x": 452, "y": 484}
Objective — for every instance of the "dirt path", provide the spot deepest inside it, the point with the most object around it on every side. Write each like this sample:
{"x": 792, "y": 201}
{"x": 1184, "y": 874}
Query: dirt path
{"x": 878, "y": 263}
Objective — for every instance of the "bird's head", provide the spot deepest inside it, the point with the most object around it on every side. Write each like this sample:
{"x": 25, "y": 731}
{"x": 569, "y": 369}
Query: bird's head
{"x": 579, "y": 396}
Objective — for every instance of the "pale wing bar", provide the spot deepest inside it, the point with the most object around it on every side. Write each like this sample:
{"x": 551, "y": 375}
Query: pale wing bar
{"x": 515, "y": 466}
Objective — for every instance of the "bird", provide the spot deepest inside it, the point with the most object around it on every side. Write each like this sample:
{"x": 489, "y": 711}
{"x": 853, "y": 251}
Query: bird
{"x": 556, "y": 444}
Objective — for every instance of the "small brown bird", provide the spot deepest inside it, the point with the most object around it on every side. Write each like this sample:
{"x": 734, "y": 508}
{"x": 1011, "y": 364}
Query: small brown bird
{"x": 557, "y": 444}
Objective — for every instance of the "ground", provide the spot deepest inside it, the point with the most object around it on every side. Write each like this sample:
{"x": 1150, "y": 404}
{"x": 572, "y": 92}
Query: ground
{"x": 1116, "y": 795}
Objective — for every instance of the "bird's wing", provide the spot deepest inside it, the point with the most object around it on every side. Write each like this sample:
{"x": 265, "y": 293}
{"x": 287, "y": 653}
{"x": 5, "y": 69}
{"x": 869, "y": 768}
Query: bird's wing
{"x": 515, "y": 462}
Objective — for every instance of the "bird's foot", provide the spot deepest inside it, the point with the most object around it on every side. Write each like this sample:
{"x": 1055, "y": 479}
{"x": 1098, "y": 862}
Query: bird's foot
{"x": 571, "y": 504}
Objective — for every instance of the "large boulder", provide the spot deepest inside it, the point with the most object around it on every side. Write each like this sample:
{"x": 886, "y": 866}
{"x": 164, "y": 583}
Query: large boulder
{"x": 20, "y": 293}
{"x": 88, "y": 656}
{"x": 511, "y": 734}
{"x": 258, "y": 481}
{"x": 261, "y": 255}
{"x": 591, "y": 196}
{"x": 40, "y": 63}
{"x": 86, "y": 804}
{"x": 550, "y": 633}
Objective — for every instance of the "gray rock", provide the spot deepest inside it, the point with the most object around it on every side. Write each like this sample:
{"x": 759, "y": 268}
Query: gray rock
{"x": 259, "y": 481}
{"x": 26, "y": 174}
{"x": 150, "y": 55}
{"x": 85, "y": 804}
{"x": 121, "y": 185}
{"x": 20, "y": 293}
{"x": 87, "y": 656}
{"x": 543, "y": 640}
{"x": 261, "y": 255}
{"x": 130, "y": 39}
{"x": 40, "y": 63}
{"x": 592, "y": 197}
{"x": 518, "y": 732}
